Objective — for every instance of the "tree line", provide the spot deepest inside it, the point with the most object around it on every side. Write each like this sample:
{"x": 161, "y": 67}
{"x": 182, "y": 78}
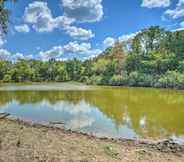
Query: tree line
{"x": 153, "y": 58}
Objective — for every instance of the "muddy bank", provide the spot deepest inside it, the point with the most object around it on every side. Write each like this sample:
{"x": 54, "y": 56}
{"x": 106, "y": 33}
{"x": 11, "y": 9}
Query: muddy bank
{"x": 22, "y": 141}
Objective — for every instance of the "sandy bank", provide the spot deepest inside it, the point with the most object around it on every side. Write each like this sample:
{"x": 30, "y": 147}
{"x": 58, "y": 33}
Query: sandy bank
{"x": 29, "y": 142}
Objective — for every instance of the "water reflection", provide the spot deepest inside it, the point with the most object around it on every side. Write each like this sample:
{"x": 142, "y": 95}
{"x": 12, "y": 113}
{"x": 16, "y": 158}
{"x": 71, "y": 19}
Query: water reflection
{"x": 114, "y": 112}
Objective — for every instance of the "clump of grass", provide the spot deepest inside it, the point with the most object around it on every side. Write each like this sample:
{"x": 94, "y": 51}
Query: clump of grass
{"x": 79, "y": 161}
{"x": 110, "y": 152}
{"x": 18, "y": 143}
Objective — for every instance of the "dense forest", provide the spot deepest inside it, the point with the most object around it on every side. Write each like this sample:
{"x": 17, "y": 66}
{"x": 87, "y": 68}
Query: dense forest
{"x": 153, "y": 58}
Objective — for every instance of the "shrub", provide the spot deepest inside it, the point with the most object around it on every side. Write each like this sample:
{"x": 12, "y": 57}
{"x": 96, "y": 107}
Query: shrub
{"x": 117, "y": 80}
{"x": 7, "y": 78}
{"x": 172, "y": 79}
{"x": 97, "y": 80}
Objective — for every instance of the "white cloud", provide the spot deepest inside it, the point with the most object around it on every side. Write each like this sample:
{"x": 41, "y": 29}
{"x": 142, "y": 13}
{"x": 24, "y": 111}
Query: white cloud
{"x": 62, "y": 21}
{"x": 22, "y": 28}
{"x": 79, "y": 33}
{"x": 76, "y": 47}
{"x": 182, "y": 24}
{"x": 18, "y": 55}
{"x": 155, "y": 3}
{"x": 181, "y": 27}
{"x": 178, "y": 29}
{"x": 1, "y": 41}
{"x": 177, "y": 12}
{"x": 40, "y": 17}
{"x": 69, "y": 51}
{"x": 55, "y": 52}
{"x": 127, "y": 37}
{"x": 92, "y": 53}
{"x": 6, "y": 55}
{"x": 109, "y": 42}
{"x": 35, "y": 10}
{"x": 83, "y": 10}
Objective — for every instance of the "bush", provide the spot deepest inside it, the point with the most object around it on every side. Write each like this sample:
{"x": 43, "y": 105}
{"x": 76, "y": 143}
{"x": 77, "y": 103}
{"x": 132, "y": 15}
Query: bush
{"x": 181, "y": 66}
{"x": 172, "y": 79}
{"x": 133, "y": 78}
{"x": 96, "y": 80}
{"x": 140, "y": 79}
{"x": 117, "y": 80}
{"x": 7, "y": 78}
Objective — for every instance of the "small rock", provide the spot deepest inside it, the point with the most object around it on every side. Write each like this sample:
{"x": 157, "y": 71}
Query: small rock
{"x": 18, "y": 143}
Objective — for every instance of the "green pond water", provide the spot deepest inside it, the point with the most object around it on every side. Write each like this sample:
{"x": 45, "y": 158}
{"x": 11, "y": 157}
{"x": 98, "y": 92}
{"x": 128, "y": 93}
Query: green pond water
{"x": 116, "y": 112}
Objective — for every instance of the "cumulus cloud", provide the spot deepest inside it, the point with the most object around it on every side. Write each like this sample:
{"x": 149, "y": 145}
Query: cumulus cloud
{"x": 6, "y": 55}
{"x": 109, "y": 42}
{"x": 127, "y": 37}
{"x": 22, "y": 28}
{"x": 155, "y": 3}
{"x": 55, "y": 52}
{"x": 178, "y": 29}
{"x": 18, "y": 56}
{"x": 76, "y": 47}
{"x": 79, "y": 33}
{"x": 83, "y": 10}
{"x": 182, "y": 24}
{"x": 92, "y": 53}
{"x": 62, "y": 21}
{"x": 69, "y": 51}
{"x": 177, "y": 12}
{"x": 40, "y": 17}
{"x": 1, "y": 41}
{"x": 181, "y": 27}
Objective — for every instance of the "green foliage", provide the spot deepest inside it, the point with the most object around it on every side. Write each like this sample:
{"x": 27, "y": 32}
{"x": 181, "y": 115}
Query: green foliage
{"x": 154, "y": 59}
{"x": 141, "y": 79}
{"x": 181, "y": 66}
{"x": 4, "y": 15}
{"x": 95, "y": 80}
{"x": 148, "y": 40}
{"x": 7, "y": 78}
{"x": 172, "y": 79}
{"x": 118, "y": 80}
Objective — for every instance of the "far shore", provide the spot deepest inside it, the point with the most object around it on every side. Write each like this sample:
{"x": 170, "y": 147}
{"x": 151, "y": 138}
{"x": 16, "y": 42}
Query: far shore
{"x": 84, "y": 84}
{"x": 33, "y": 142}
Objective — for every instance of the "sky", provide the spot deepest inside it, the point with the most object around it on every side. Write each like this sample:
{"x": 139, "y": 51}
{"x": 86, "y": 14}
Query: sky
{"x": 66, "y": 29}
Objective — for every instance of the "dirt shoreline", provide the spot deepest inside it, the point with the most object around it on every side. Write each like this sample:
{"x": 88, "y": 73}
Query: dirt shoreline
{"x": 23, "y": 141}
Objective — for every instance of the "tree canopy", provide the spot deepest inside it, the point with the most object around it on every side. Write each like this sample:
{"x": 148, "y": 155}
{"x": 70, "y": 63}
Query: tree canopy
{"x": 155, "y": 59}
{"x": 4, "y": 16}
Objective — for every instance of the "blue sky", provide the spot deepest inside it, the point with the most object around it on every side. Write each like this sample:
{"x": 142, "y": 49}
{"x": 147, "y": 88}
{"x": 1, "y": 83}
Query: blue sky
{"x": 63, "y": 29}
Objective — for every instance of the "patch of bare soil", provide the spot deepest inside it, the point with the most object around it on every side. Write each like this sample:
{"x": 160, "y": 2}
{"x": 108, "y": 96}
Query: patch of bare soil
{"x": 27, "y": 142}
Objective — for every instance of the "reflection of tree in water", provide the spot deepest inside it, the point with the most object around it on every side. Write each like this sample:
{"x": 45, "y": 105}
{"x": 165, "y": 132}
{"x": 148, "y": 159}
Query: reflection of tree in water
{"x": 33, "y": 97}
{"x": 148, "y": 112}
{"x": 162, "y": 116}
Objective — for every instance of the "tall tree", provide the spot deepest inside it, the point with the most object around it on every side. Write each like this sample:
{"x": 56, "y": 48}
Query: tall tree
{"x": 4, "y": 16}
{"x": 148, "y": 40}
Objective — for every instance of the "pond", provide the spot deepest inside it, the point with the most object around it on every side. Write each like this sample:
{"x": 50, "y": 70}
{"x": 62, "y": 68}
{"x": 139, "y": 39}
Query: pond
{"x": 117, "y": 112}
